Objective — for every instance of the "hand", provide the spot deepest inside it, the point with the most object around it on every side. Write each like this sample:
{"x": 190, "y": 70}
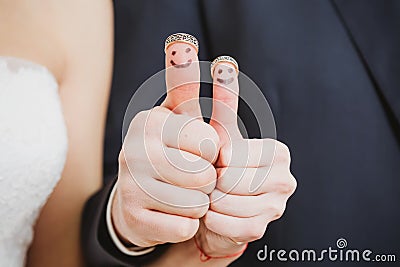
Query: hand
{"x": 254, "y": 180}
{"x": 160, "y": 194}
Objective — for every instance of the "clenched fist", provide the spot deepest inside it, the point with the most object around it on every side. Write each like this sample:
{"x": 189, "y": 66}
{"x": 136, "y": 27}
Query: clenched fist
{"x": 253, "y": 176}
{"x": 166, "y": 164}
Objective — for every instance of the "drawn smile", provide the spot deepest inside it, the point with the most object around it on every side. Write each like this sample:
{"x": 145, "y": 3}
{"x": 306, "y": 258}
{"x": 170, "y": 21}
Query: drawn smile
{"x": 180, "y": 66}
{"x": 225, "y": 81}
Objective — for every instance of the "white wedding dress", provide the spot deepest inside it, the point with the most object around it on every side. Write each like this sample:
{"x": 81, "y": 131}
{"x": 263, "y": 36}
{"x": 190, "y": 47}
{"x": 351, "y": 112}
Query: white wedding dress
{"x": 33, "y": 145}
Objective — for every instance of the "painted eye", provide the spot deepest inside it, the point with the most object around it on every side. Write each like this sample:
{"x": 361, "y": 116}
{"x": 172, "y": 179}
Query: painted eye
{"x": 173, "y": 53}
{"x": 220, "y": 71}
{"x": 188, "y": 50}
{"x": 230, "y": 70}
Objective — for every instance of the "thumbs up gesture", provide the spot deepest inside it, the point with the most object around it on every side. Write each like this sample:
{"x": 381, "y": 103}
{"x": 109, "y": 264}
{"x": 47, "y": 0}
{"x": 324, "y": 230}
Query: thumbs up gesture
{"x": 253, "y": 175}
{"x": 183, "y": 179}
{"x": 166, "y": 166}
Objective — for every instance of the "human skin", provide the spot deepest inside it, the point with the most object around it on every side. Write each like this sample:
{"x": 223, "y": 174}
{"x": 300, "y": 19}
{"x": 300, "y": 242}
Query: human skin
{"x": 81, "y": 60}
{"x": 203, "y": 205}
{"x": 74, "y": 40}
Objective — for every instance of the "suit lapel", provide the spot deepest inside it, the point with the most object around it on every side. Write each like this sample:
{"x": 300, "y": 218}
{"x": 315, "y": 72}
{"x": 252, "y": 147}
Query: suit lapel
{"x": 374, "y": 27}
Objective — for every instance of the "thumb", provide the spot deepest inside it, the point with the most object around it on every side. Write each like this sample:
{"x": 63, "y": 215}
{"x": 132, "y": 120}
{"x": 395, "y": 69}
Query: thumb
{"x": 182, "y": 74}
{"x": 224, "y": 71}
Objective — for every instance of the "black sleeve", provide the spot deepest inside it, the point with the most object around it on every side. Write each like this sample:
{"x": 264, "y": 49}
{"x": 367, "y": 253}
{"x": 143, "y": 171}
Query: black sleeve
{"x": 97, "y": 246}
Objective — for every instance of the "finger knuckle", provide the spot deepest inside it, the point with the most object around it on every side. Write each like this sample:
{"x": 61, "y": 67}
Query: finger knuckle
{"x": 276, "y": 210}
{"x": 205, "y": 178}
{"x": 161, "y": 110}
{"x": 126, "y": 192}
{"x": 255, "y": 230}
{"x": 291, "y": 184}
{"x": 126, "y": 155}
{"x": 141, "y": 151}
{"x": 133, "y": 217}
{"x": 186, "y": 229}
{"x": 210, "y": 222}
{"x": 199, "y": 211}
{"x": 140, "y": 117}
{"x": 139, "y": 122}
{"x": 207, "y": 189}
{"x": 199, "y": 205}
{"x": 155, "y": 119}
{"x": 282, "y": 153}
{"x": 285, "y": 186}
{"x": 217, "y": 201}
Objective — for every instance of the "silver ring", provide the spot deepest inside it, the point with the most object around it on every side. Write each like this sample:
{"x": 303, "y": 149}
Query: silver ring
{"x": 183, "y": 38}
{"x": 226, "y": 59}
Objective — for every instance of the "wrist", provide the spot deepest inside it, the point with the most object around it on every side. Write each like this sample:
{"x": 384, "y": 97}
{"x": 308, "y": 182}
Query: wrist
{"x": 116, "y": 214}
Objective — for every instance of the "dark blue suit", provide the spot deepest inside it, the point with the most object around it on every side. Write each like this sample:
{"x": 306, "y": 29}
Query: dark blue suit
{"x": 331, "y": 73}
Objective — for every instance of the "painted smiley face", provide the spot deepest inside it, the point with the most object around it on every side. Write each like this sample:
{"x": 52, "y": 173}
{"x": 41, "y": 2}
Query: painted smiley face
{"x": 181, "y": 55}
{"x": 225, "y": 74}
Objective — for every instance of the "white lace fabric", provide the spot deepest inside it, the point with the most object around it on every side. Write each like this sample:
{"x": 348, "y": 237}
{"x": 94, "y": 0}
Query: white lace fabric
{"x": 33, "y": 146}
